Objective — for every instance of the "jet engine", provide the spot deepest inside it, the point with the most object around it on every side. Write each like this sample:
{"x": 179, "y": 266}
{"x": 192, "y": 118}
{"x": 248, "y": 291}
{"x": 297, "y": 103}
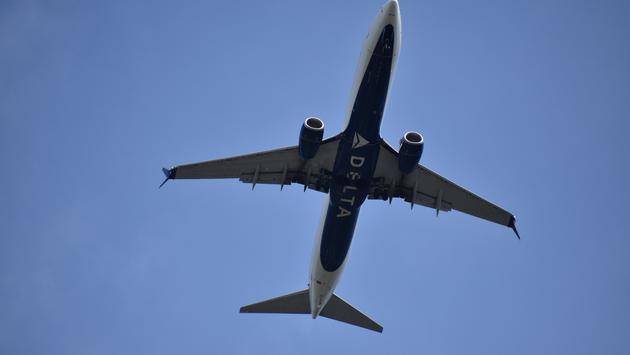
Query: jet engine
{"x": 411, "y": 146}
{"x": 311, "y": 136}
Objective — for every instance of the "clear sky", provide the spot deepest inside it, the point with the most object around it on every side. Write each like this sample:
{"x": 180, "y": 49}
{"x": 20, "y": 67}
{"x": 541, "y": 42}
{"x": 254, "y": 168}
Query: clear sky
{"x": 524, "y": 102}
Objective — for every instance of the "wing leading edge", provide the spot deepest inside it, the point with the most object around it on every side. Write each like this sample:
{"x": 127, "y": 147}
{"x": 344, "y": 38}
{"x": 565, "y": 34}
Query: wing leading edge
{"x": 427, "y": 188}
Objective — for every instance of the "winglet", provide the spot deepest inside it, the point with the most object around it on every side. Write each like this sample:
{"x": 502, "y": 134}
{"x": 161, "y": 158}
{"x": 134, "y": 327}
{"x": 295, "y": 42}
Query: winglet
{"x": 512, "y": 225}
{"x": 169, "y": 173}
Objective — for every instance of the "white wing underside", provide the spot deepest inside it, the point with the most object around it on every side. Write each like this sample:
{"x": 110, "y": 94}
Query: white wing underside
{"x": 427, "y": 188}
{"x": 279, "y": 166}
{"x": 284, "y": 166}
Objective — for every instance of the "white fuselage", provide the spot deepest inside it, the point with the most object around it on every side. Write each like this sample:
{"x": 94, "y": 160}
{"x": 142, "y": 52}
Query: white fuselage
{"x": 322, "y": 282}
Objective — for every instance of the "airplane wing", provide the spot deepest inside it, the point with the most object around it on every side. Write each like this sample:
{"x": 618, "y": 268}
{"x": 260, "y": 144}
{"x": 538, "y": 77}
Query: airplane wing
{"x": 280, "y": 166}
{"x": 427, "y": 188}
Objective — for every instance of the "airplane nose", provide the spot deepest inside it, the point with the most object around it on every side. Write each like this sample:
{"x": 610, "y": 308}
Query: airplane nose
{"x": 392, "y": 6}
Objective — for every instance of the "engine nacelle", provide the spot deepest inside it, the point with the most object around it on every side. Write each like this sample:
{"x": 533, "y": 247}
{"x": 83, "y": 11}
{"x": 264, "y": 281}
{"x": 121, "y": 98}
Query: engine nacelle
{"x": 311, "y": 136}
{"x": 411, "y": 146}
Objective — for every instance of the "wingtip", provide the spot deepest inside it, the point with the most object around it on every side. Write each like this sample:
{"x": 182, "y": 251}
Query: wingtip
{"x": 169, "y": 174}
{"x": 512, "y": 225}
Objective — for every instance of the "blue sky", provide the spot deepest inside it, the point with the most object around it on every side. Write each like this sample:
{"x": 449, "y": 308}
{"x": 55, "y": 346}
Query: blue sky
{"x": 524, "y": 102}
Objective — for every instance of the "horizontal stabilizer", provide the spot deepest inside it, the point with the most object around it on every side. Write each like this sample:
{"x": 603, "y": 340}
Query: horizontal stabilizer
{"x": 342, "y": 311}
{"x": 296, "y": 302}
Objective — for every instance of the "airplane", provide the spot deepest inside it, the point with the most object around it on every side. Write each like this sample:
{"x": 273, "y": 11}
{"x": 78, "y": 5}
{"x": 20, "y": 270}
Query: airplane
{"x": 350, "y": 167}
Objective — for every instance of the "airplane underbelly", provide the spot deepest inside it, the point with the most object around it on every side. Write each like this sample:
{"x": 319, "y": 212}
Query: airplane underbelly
{"x": 353, "y": 170}
{"x": 337, "y": 236}
{"x": 357, "y": 156}
{"x": 369, "y": 103}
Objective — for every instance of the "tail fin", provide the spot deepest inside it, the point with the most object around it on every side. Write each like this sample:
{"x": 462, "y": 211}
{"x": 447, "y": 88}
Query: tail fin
{"x": 298, "y": 303}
